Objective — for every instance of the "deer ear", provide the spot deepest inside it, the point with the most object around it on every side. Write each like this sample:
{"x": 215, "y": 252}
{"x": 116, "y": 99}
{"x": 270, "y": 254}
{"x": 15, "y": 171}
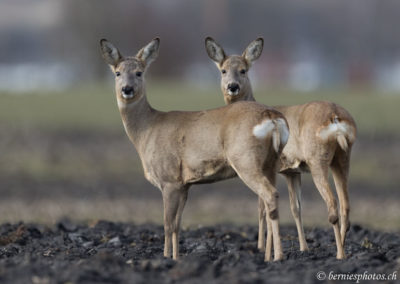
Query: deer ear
{"x": 110, "y": 53}
{"x": 215, "y": 51}
{"x": 254, "y": 50}
{"x": 150, "y": 52}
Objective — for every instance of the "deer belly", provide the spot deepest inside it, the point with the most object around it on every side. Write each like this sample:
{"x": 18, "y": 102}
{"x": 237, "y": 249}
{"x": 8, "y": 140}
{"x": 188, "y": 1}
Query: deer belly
{"x": 291, "y": 160}
{"x": 207, "y": 171}
{"x": 291, "y": 165}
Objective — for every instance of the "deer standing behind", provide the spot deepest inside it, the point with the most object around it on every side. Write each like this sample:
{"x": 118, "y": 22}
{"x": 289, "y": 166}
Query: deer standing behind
{"x": 321, "y": 136}
{"x": 178, "y": 149}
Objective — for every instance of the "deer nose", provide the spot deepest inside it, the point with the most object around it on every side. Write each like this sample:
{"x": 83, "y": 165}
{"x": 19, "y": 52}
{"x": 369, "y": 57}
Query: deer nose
{"x": 127, "y": 90}
{"x": 233, "y": 87}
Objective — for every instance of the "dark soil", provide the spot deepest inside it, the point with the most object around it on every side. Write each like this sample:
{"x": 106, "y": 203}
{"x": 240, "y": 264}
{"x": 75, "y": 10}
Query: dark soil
{"x": 107, "y": 252}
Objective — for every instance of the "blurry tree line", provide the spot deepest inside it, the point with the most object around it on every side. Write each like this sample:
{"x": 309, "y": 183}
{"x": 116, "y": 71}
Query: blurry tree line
{"x": 358, "y": 34}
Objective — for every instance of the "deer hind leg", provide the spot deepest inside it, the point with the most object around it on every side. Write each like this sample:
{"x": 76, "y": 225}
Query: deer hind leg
{"x": 272, "y": 216}
{"x": 264, "y": 245}
{"x": 294, "y": 187}
{"x": 270, "y": 196}
{"x": 340, "y": 171}
{"x": 256, "y": 168}
{"x": 319, "y": 174}
{"x": 264, "y": 187}
{"x": 174, "y": 199}
{"x": 261, "y": 225}
{"x": 268, "y": 244}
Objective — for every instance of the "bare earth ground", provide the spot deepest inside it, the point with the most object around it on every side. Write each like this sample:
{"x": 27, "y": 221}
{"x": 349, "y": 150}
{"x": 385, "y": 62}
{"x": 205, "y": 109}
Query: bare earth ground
{"x": 107, "y": 252}
{"x": 89, "y": 176}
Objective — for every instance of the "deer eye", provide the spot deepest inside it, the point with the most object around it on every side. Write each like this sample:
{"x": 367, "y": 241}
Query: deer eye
{"x": 139, "y": 74}
{"x": 117, "y": 73}
{"x": 223, "y": 71}
{"x": 243, "y": 71}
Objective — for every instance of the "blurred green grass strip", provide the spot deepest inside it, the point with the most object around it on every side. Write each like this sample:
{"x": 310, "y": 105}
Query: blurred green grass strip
{"x": 94, "y": 106}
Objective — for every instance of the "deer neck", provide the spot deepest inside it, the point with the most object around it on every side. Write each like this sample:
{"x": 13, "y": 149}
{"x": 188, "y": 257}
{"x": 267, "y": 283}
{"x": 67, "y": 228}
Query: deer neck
{"x": 248, "y": 96}
{"x": 137, "y": 118}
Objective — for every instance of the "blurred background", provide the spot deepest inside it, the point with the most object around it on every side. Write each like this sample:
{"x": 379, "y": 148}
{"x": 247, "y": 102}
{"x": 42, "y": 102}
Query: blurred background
{"x": 63, "y": 150}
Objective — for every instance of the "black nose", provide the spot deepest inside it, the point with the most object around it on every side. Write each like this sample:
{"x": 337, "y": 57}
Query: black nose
{"x": 233, "y": 87}
{"x": 127, "y": 90}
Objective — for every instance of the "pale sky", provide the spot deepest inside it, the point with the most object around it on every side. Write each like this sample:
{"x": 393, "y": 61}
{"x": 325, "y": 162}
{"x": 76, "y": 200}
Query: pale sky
{"x": 29, "y": 13}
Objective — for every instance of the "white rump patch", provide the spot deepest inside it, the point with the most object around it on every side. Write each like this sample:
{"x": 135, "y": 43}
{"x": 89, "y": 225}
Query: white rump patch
{"x": 336, "y": 128}
{"x": 261, "y": 130}
{"x": 283, "y": 130}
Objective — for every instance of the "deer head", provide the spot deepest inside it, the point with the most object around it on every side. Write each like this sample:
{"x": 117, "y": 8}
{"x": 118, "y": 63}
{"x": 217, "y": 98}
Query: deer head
{"x": 129, "y": 71}
{"x": 235, "y": 82}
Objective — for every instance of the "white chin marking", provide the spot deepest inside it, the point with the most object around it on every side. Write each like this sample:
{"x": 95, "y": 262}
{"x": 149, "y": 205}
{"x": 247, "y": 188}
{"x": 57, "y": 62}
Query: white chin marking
{"x": 261, "y": 130}
{"x": 235, "y": 93}
{"x": 127, "y": 96}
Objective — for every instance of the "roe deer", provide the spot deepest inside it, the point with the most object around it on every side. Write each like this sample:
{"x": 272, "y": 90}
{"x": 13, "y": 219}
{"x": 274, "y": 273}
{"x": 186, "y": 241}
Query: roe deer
{"x": 178, "y": 149}
{"x": 321, "y": 137}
